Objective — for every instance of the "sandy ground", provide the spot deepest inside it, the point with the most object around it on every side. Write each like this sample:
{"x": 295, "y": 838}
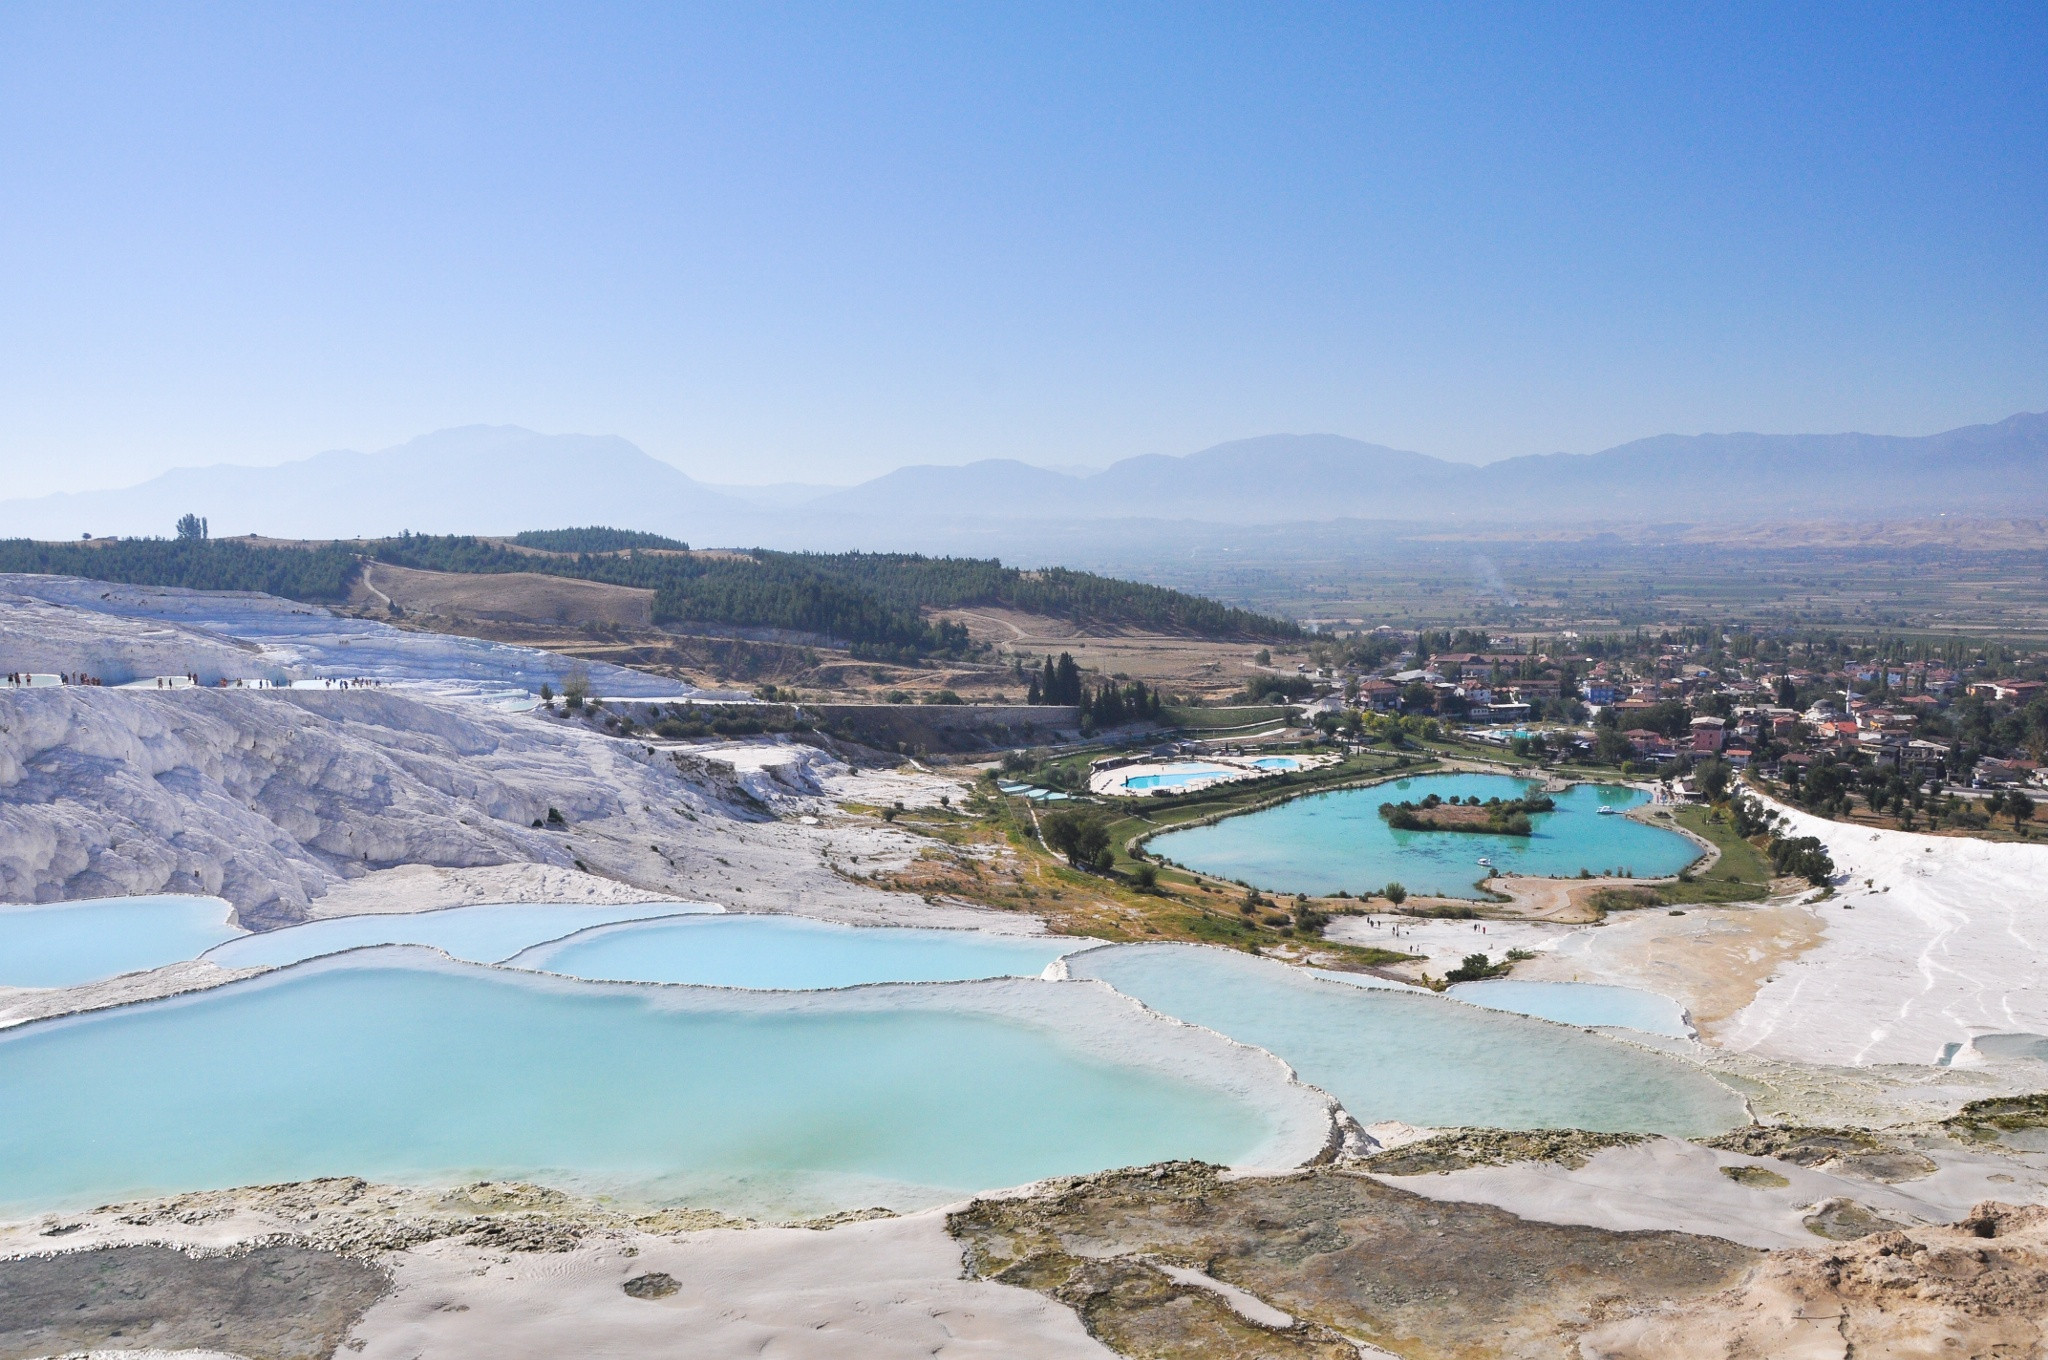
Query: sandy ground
{"x": 886, "y": 1288}
{"x": 1447, "y": 942}
{"x": 1711, "y": 960}
{"x": 1929, "y": 941}
{"x": 1668, "y": 1183}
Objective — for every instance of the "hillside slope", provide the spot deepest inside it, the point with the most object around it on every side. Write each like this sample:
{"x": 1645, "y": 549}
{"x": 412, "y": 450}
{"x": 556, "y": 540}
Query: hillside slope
{"x": 276, "y": 799}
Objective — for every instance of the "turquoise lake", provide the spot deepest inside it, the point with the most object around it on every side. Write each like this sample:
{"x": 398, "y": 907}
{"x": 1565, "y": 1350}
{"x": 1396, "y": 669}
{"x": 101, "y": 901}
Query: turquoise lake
{"x": 790, "y": 952}
{"x": 399, "y": 1066}
{"x": 78, "y": 942}
{"x": 1416, "y": 1058}
{"x": 1337, "y": 841}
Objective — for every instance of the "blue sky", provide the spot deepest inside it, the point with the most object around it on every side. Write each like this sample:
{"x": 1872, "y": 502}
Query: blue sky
{"x": 774, "y": 242}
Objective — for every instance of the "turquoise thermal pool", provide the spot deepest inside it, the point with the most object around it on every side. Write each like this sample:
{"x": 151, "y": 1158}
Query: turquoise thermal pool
{"x": 1331, "y": 841}
{"x": 1589, "y": 1004}
{"x": 1418, "y": 1058}
{"x": 790, "y": 952}
{"x": 481, "y": 934}
{"x": 394, "y": 1064}
{"x": 79, "y": 942}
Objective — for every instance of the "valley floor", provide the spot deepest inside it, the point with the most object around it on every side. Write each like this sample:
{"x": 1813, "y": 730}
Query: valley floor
{"x": 1870, "y": 1007}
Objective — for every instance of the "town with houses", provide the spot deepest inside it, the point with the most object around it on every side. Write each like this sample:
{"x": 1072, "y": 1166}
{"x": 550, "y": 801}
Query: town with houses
{"x": 1957, "y": 720}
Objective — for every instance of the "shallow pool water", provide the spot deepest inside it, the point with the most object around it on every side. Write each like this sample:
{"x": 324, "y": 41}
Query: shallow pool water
{"x": 1329, "y": 842}
{"x": 1277, "y": 763}
{"x": 1579, "y": 1003}
{"x": 1417, "y": 1058}
{"x": 481, "y": 934}
{"x": 78, "y": 942}
{"x": 790, "y": 952}
{"x": 395, "y": 1064}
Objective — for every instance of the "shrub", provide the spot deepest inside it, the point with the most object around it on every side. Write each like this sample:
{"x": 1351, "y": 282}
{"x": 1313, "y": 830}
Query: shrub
{"x": 1394, "y": 893}
{"x": 1476, "y": 968}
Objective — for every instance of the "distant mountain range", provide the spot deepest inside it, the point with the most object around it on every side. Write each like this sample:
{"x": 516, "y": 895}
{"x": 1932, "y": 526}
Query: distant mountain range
{"x": 500, "y": 479}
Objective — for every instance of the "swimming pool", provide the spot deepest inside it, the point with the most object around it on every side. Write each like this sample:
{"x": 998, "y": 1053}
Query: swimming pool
{"x": 1180, "y": 774}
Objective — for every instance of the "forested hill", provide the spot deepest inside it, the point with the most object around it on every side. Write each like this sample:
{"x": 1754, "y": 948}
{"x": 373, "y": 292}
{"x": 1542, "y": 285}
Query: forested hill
{"x": 870, "y": 600}
{"x": 318, "y": 574}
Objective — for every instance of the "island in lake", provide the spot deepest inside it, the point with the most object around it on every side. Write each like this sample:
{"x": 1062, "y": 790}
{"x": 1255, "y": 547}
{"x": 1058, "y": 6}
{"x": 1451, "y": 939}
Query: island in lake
{"x": 1494, "y": 817}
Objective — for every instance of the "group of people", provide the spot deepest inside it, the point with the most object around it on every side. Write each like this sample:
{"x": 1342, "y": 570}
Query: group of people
{"x": 28, "y": 680}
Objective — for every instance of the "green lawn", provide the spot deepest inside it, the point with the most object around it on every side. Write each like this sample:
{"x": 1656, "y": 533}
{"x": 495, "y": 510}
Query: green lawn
{"x": 1741, "y": 874}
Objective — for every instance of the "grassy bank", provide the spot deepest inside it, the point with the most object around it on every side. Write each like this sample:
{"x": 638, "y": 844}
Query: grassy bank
{"x": 1740, "y": 874}
{"x": 1212, "y": 719}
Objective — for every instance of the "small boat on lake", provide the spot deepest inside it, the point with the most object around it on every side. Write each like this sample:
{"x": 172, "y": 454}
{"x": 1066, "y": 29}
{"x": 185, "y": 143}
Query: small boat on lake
{"x": 1609, "y": 812}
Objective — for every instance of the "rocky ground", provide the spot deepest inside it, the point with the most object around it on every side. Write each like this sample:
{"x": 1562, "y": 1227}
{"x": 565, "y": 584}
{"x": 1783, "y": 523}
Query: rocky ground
{"x": 279, "y": 800}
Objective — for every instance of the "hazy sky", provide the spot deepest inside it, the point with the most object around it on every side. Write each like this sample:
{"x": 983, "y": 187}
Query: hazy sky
{"x": 777, "y": 242}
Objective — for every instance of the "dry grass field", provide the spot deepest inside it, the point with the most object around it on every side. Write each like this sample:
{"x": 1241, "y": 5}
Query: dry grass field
{"x": 602, "y": 622}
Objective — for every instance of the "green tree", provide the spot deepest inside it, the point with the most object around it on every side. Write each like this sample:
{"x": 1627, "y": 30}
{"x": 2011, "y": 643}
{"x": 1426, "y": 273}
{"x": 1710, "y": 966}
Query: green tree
{"x": 2021, "y": 809}
{"x": 575, "y": 688}
{"x": 1081, "y": 836}
{"x": 1803, "y": 857}
{"x": 1714, "y": 775}
{"x": 191, "y": 528}
{"x": 1395, "y": 893}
